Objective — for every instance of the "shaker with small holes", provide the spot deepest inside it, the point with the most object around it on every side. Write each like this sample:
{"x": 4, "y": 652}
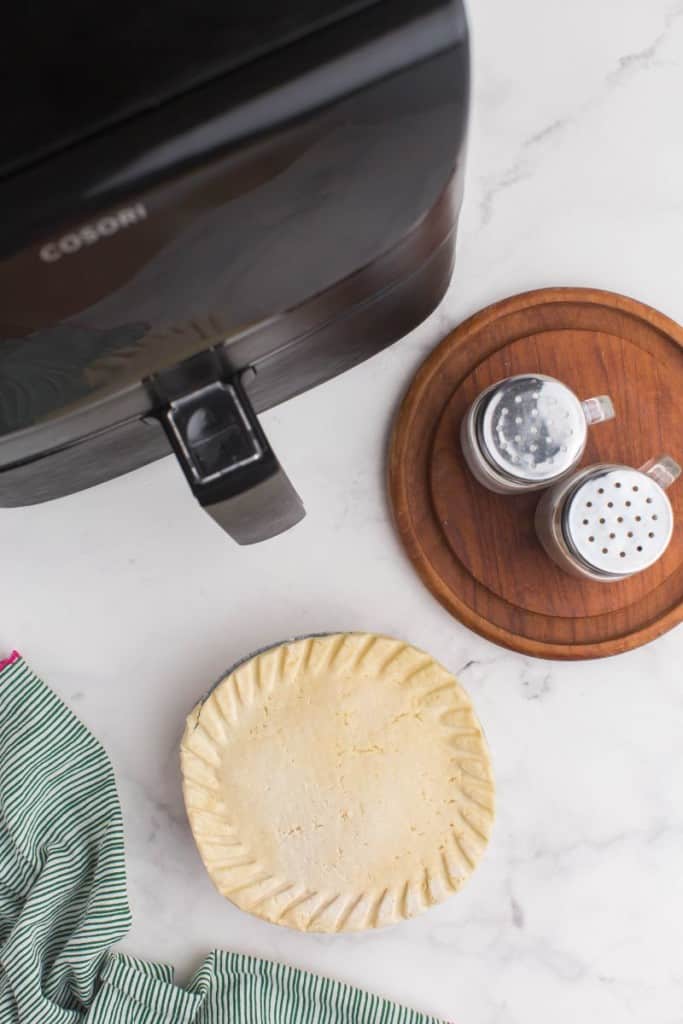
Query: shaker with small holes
{"x": 607, "y": 522}
{"x": 527, "y": 432}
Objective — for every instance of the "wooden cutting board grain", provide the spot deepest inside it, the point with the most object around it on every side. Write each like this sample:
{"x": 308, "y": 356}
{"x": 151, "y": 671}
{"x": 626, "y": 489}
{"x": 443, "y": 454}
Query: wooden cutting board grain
{"x": 477, "y": 551}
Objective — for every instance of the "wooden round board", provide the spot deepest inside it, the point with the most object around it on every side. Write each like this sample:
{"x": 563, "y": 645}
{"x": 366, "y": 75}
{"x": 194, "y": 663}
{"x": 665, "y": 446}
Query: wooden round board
{"x": 477, "y": 551}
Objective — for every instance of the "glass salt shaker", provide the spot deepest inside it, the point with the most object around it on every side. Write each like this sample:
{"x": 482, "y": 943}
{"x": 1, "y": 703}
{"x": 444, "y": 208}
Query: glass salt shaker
{"x": 527, "y": 432}
{"x": 607, "y": 522}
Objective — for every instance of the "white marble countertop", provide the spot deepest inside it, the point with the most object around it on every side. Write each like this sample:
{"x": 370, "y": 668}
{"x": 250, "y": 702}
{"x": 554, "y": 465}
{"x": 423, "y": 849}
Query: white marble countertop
{"x": 129, "y": 601}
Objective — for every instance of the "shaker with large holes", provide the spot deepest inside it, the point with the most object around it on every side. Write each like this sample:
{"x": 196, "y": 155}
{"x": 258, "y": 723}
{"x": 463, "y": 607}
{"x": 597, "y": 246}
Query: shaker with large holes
{"x": 608, "y": 522}
{"x": 527, "y": 432}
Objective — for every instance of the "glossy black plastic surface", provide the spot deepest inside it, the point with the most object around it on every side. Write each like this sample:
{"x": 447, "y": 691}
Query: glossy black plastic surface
{"x": 258, "y": 217}
{"x": 73, "y": 68}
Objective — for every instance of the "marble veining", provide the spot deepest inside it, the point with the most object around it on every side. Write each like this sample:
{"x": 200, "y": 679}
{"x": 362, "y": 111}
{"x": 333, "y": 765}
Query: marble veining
{"x": 130, "y": 603}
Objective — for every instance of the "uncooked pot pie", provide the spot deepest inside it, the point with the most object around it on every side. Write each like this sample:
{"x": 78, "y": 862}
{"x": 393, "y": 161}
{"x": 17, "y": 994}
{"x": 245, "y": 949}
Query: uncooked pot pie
{"x": 338, "y": 783}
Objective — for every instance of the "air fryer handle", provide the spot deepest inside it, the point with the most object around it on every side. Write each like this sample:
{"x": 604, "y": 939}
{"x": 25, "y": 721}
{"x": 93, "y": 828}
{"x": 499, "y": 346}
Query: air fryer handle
{"x": 229, "y": 464}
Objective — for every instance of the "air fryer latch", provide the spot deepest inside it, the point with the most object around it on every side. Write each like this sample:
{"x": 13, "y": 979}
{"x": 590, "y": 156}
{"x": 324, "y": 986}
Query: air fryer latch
{"x": 228, "y": 462}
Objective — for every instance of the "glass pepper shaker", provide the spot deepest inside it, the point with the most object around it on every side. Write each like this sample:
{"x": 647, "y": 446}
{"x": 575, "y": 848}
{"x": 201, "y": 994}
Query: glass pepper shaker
{"x": 607, "y": 522}
{"x": 526, "y": 432}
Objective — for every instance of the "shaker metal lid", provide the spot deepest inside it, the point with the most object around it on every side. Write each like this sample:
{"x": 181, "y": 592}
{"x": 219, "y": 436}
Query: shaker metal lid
{"x": 618, "y": 520}
{"x": 532, "y": 427}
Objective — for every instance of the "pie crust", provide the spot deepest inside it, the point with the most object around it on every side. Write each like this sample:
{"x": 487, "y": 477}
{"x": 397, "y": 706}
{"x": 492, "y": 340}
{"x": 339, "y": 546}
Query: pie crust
{"x": 337, "y": 783}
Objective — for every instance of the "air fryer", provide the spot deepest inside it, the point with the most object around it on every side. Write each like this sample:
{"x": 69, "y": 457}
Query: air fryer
{"x": 206, "y": 211}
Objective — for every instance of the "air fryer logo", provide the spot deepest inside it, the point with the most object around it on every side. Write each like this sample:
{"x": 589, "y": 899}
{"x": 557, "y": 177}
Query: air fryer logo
{"x": 83, "y": 237}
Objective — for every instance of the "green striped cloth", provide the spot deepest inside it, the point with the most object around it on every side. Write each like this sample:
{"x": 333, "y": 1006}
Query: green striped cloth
{"x": 63, "y": 900}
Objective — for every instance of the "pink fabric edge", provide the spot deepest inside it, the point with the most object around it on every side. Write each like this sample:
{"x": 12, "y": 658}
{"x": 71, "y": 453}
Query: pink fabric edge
{"x": 14, "y": 656}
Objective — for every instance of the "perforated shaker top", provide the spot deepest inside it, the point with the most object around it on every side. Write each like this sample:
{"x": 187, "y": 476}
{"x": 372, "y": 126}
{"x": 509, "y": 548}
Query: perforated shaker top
{"x": 618, "y": 520}
{"x": 532, "y": 428}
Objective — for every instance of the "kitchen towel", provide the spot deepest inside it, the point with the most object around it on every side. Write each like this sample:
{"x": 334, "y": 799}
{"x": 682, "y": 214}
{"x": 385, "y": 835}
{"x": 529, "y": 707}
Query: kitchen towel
{"x": 63, "y": 900}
